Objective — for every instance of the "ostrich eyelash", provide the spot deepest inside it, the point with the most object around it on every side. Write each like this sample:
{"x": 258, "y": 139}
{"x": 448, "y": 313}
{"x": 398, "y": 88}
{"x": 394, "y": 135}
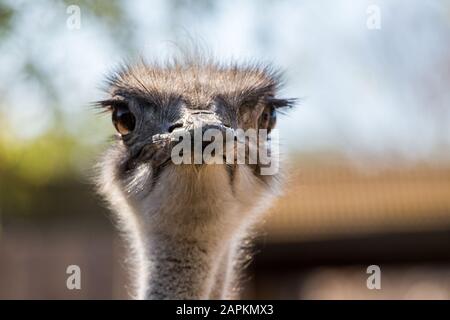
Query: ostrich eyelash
{"x": 109, "y": 105}
{"x": 281, "y": 103}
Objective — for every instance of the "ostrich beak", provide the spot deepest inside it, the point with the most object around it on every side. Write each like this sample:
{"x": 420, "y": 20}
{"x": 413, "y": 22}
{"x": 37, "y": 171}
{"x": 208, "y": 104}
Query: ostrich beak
{"x": 196, "y": 123}
{"x": 202, "y": 120}
{"x": 193, "y": 129}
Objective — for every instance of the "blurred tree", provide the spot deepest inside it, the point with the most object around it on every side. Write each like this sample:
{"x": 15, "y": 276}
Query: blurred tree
{"x": 47, "y": 155}
{"x": 6, "y": 14}
{"x": 55, "y": 153}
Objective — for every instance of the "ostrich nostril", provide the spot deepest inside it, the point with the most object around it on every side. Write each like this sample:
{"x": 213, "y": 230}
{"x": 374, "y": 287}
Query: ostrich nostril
{"x": 175, "y": 126}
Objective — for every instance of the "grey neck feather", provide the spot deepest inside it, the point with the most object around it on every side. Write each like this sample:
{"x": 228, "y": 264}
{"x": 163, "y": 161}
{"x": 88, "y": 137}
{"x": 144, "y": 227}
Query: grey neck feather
{"x": 179, "y": 269}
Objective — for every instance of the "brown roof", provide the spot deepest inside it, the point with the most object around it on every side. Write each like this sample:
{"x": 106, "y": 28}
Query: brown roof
{"x": 326, "y": 198}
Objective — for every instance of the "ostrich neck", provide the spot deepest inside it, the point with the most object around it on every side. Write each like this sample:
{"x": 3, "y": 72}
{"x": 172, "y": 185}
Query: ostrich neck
{"x": 178, "y": 268}
{"x": 188, "y": 239}
{"x": 188, "y": 260}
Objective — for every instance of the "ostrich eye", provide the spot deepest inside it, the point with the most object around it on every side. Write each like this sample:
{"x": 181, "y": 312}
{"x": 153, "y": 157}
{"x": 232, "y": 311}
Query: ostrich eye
{"x": 273, "y": 113}
{"x": 123, "y": 120}
{"x": 269, "y": 115}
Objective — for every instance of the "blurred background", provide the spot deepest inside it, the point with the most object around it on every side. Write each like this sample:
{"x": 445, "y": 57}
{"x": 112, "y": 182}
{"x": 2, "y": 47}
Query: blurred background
{"x": 368, "y": 147}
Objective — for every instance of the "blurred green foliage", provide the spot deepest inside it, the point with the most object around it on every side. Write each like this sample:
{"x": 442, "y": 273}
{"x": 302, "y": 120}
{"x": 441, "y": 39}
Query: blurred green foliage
{"x": 6, "y": 14}
{"x": 40, "y": 160}
{"x": 55, "y": 155}
{"x": 51, "y": 154}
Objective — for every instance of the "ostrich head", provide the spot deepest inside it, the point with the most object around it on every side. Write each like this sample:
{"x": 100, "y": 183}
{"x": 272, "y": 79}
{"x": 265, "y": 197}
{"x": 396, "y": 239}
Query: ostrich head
{"x": 185, "y": 221}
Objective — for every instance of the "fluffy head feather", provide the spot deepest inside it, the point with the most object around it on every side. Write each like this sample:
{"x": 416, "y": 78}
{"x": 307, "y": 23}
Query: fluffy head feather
{"x": 184, "y": 220}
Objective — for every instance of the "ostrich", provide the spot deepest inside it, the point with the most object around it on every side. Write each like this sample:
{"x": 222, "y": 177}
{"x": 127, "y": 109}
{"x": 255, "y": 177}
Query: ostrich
{"x": 187, "y": 225}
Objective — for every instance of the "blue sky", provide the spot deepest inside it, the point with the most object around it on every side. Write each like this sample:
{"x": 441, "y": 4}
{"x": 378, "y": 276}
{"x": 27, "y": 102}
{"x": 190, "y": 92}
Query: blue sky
{"x": 366, "y": 93}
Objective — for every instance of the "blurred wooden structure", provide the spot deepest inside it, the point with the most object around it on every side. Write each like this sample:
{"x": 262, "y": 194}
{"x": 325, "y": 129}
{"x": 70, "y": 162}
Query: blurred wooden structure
{"x": 335, "y": 199}
{"x": 334, "y": 217}
{"x": 337, "y": 220}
